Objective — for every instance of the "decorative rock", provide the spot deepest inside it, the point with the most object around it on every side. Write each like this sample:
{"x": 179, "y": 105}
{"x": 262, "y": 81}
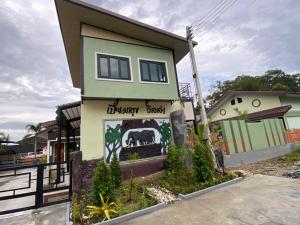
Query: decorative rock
{"x": 162, "y": 194}
{"x": 294, "y": 175}
{"x": 178, "y": 127}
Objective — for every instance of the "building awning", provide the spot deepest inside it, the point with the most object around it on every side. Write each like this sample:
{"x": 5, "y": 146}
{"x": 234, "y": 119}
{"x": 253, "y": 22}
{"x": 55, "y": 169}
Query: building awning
{"x": 71, "y": 112}
{"x": 72, "y": 13}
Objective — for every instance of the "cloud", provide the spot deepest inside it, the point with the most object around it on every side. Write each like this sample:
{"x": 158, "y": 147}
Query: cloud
{"x": 251, "y": 37}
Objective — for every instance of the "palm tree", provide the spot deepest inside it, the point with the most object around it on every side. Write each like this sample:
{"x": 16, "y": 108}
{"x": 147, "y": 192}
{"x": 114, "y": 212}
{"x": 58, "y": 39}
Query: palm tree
{"x": 33, "y": 130}
{"x": 3, "y": 137}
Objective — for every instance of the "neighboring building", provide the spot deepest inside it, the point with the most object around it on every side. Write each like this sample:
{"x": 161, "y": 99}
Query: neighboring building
{"x": 126, "y": 71}
{"x": 258, "y": 105}
{"x": 49, "y": 133}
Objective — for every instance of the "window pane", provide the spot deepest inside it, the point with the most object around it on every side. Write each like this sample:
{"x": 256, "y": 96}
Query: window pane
{"x": 124, "y": 69}
{"x": 162, "y": 73}
{"x": 114, "y": 69}
{"x": 145, "y": 73}
{"x": 103, "y": 67}
{"x": 153, "y": 72}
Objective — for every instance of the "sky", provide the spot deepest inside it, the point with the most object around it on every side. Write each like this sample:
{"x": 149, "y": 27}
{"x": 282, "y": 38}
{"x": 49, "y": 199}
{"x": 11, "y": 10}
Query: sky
{"x": 250, "y": 37}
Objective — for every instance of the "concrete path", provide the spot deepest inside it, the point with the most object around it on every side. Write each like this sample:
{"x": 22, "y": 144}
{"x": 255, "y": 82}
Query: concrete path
{"x": 51, "y": 215}
{"x": 260, "y": 199}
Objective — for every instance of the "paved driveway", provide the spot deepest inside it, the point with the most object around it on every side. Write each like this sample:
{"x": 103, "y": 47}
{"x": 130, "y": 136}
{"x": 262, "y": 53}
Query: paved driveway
{"x": 258, "y": 199}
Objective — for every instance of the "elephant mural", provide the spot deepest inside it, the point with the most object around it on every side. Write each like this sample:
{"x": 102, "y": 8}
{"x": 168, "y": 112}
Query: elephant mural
{"x": 144, "y": 137}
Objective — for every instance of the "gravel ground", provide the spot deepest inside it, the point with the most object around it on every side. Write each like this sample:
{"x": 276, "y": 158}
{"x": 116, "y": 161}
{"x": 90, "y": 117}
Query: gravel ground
{"x": 272, "y": 167}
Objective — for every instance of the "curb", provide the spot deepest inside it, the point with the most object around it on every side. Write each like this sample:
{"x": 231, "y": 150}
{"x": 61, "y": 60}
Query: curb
{"x": 209, "y": 189}
{"x": 132, "y": 215}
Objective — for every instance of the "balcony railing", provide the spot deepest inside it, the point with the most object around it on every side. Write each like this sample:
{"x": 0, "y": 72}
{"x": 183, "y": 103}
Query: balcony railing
{"x": 185, "y": 91}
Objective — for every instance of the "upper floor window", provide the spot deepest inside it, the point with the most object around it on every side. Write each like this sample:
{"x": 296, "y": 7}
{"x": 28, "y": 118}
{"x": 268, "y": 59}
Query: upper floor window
{"x": 239, "y": 100}
{"x": 152, "y": 71}
{"x": 113, "y": 67}
{"x": 233, "y": 102}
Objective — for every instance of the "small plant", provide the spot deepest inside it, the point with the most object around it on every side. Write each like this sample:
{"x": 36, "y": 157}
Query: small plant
{"x": 116, "y": 175}
{"x": 76, "y": 209}
{"x": 105, "y": 209}
{"x": 132, "y": 158}
{"x": 43, "y": 159}
{"x": 202, "y": 164}
{"x": 174, "y": 163}
{"x": 101, "y": 183}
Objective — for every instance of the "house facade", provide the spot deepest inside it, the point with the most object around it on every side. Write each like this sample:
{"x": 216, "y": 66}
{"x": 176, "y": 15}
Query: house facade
{"x": 260, "y": 104}
{"x": 126, "y": 71}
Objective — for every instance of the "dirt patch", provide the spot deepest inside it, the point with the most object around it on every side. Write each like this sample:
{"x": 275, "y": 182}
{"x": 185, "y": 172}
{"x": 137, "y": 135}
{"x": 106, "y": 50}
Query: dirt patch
{"x": 280, "y": 166}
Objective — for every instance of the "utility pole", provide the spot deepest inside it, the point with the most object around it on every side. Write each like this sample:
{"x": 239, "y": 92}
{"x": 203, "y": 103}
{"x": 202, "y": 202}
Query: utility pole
{"x": 206, "y": 133}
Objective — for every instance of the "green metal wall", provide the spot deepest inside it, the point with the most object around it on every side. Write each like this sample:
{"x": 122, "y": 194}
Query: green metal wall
{"x": 244, "y": 136}
{"x": 129, "y": 90}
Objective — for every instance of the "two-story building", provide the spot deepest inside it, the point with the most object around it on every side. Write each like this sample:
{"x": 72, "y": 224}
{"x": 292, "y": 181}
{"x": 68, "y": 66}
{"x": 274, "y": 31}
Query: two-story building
{"x": 126, "y": 71}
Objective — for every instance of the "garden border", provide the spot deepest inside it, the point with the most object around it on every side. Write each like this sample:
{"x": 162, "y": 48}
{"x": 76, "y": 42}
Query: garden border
{"x": 209, "y": 189}
{"x": 131, "y": 215}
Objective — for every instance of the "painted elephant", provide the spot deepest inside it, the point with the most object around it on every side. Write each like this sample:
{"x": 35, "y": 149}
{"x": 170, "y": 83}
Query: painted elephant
{"x": 147, "y": 137}
{"x": 132, "y": 139}
{"x": 144, "y": 137}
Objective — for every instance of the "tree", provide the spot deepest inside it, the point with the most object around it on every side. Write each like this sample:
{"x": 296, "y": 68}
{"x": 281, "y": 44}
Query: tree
{"x": 116, "y": 173}
{"x": 113, "y": 140}
{"x": 101, "y": 183}
{"x": 33, "y": 130}
{"x": 165, "y": 135}
{"x": 4, "y": 138}
{"x": 271, "y": 80}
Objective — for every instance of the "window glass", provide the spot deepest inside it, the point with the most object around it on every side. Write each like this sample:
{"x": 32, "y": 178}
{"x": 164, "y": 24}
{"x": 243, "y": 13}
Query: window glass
{"x": 114, "y": 68}
{"x": 239, "y": 100}
{"x": 145, "y": 72}
{"x": 104, "y": 67}
{"x": 233, "y": 102}
{"x": 153, "y": 71}
{"x": 162, "y": 73}
{"x": 124, "y": 69}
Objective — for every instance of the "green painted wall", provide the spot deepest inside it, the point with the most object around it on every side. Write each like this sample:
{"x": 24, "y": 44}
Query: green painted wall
{"x": 241, "y": 136}
{"x": 267, "y": 102}
{"x": 121, "y": 89}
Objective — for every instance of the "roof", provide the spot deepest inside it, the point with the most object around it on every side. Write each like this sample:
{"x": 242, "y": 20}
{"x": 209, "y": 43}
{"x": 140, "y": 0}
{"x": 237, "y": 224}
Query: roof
{"x": 231, "y": 94}
{"x": 264, "y": 114}
{"x": 72, "y": 13}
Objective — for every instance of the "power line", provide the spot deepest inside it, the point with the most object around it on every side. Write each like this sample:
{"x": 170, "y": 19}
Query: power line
{"x": 216, "y": 16}
{"x": 212, "y": 15}
{"x": 211, "y": 11}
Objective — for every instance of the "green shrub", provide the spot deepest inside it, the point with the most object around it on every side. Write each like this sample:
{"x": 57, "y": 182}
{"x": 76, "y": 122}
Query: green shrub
{"x": 202, "y": 164}
{"x": 175, "y": 163}
{"x": 115, "y": 169}
{"x": 43, "y": 159}
{"x": 101, "y": 183}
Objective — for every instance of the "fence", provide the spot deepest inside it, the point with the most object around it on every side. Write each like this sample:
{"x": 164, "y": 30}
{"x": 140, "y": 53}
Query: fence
{"x": 293, "y": 135}
{"x": 241, "y": 136}
{"x": 34, "y": 186}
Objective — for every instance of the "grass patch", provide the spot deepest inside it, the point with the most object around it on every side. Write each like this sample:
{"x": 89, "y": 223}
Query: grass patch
{"x": 291, "y": 157}
{"x": 140, "y": 199}
{"x": 187, "y": 184}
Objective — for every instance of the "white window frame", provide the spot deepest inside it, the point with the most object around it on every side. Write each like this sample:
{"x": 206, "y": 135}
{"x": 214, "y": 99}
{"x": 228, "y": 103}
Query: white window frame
{"x": 153, "y": 82}
{"x": 108, "y": 79}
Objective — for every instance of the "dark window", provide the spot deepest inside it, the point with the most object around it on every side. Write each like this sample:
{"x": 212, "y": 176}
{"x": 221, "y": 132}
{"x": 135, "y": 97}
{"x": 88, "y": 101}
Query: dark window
{"x": 153, "y": 71}
{"x": 233, "y": 102}
{"x": 113, "y": 67}
{"x": 239, "y": 100}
